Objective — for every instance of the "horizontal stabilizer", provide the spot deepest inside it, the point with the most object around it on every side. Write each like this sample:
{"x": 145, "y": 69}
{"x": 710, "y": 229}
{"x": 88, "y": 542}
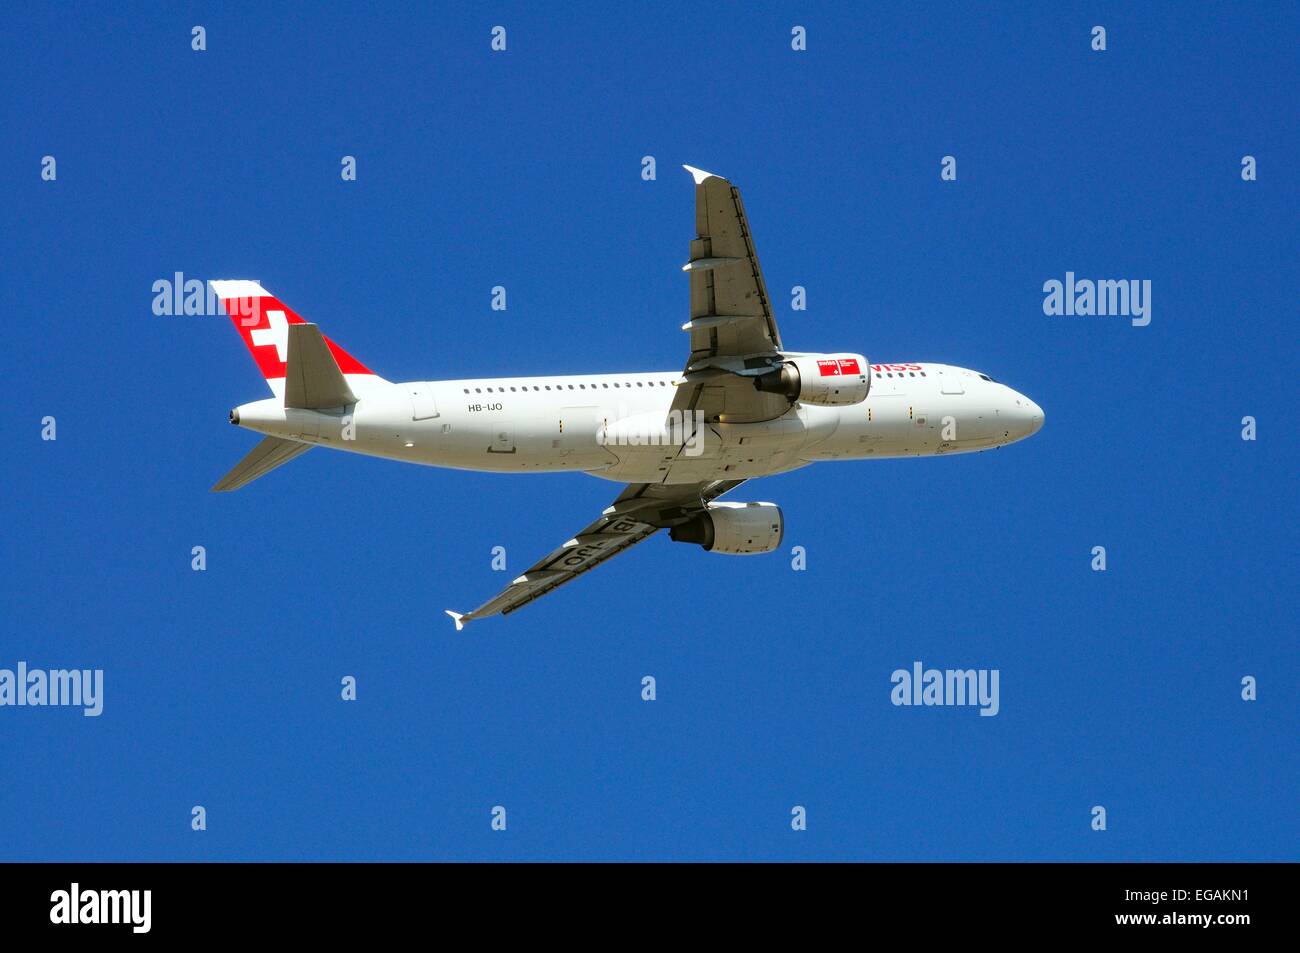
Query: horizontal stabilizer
{"x": 262, "y": 459}
{"x": 313, "y": 380}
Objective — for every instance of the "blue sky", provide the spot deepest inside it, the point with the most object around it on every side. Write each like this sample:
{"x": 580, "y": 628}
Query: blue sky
{"x": 522, "y": 169}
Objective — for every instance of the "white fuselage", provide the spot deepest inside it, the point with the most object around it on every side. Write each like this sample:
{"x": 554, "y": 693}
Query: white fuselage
{"x": 610, "y": 425}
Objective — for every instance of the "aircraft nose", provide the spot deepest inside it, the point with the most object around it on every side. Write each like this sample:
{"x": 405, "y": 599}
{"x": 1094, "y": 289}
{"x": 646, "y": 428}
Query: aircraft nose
{"x": 1036, "y": 417}
{"x": 1025, "y": 418}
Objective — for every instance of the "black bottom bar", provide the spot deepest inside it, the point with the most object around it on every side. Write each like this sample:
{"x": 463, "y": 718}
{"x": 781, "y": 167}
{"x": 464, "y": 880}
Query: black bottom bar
{"x": 927, "y": 901}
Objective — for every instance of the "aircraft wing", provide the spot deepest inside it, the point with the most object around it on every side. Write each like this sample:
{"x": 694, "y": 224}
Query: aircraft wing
{"x": 734, "y": 336}
{"x": 639, "y": 512}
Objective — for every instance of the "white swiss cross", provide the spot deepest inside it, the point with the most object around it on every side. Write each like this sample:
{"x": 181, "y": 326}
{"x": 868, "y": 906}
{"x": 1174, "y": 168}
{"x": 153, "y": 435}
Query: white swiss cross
{"x": 277, "y": 334}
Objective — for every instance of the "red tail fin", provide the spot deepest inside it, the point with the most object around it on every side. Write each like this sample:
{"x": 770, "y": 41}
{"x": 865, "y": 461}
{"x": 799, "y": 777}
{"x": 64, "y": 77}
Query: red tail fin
{"x": 263, "y": 320}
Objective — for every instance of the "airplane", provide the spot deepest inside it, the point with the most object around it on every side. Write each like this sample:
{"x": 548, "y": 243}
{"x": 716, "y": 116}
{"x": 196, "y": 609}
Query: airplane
{"x": 744, "y": 407}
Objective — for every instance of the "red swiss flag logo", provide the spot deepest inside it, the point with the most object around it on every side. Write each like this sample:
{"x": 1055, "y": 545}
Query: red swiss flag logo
{"x": 836, "y": 367}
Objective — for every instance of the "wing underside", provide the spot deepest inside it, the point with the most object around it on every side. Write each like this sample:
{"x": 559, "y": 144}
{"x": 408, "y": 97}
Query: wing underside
{"x": 734, "y": 336}
{"x": 639, "y": 512}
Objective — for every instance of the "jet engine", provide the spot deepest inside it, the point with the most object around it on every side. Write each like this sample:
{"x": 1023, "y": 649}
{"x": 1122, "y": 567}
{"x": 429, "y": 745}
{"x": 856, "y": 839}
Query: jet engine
{"x": 832, "y": 380}
{"x": 737, "y": 529}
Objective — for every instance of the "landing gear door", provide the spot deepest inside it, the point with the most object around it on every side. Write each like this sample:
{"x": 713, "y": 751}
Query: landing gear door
{"x": 422, "y": 404}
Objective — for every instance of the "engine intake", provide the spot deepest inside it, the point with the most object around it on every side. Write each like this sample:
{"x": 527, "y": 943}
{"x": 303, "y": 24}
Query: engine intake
{"x": 831, "y": 380}
{"x": 736, "y": 529}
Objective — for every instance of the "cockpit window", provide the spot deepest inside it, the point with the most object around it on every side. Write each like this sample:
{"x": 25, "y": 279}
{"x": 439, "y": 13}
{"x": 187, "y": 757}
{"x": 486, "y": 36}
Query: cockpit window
{"x": 985, "y": 377}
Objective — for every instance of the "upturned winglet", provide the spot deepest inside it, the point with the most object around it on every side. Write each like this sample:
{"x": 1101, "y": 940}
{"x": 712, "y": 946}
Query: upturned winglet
{"x": 699, "y": 175}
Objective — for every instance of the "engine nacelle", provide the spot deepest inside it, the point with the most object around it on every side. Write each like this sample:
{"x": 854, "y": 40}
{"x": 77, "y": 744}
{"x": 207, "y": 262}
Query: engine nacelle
{"x": 831, "y": 380}
{"x": 737, "y": 529}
